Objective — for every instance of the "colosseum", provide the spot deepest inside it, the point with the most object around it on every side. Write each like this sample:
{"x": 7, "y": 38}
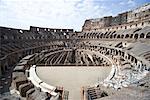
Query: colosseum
{"x": 108, "y": 60}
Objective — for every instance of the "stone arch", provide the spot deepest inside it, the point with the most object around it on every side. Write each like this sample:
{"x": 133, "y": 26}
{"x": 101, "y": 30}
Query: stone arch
{"x": 115, "y": 35}
{"x": 122, "y": 36}
{"x": 119, "y": 53}
{"x": 90, "y": 34}
{"x": 148, "y": 35}
{"x": 87, "y": 34}
{"x": 111, "y": 36}
{"x": 84, "y": 34}
{"x": 98, "y": 35}
{"x": 131, "y": 35}
{"x": 132, "y": 59}
{"x": 116, "y": 52}
{"x": 104, "y": 36}
{"x": 113, "y": 52}
{"x": 127, "y": 36}
{"x": 125, "y": 56}
{"x": 135, "y": 60}
{"x": 107, "y": 35}
{"x": 136, "y": 36}
{"x": 125, "y": 27}
{"x": 95, "y": 35}
{"x": 101, "y": 36}
{"x": 129, "y": 57}
{"x": 118, "y": 36}
{"x": 139, "y": 66}
{"x": 108, "y": 51}
{"x": 84, "y": 37}
{"x": 142, "y": 35}
{"x": 122, "y": 54}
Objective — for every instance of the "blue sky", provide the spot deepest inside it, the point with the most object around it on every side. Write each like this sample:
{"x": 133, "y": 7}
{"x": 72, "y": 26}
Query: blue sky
{"x": 60, "y": 13}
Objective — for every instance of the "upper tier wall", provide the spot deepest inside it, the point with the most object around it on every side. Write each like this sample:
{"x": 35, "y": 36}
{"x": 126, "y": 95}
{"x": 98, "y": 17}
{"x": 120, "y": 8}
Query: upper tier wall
{"x": 133, "y": 17}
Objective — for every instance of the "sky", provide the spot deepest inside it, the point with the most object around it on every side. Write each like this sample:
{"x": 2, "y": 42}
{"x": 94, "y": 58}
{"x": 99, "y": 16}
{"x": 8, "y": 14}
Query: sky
{"x": 22, "y": 14}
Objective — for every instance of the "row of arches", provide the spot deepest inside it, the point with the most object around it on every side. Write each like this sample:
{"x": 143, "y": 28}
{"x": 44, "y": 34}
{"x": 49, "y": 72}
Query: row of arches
{"x": 113, "y": 35}
{"x": 33, "y": 36}
{"x": 113, "y": 52}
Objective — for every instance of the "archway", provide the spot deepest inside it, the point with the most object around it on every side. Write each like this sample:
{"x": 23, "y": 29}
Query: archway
{"x": 136, "y": 36}
{"x": 111, "y": 36}
{"x": 127, "y": 36}
{"x": 142, "y": 35}
{"x": 101, "y": 35}
{"x": 122, "y": 36}
{"x": 115, "y": 35}
{"x": 131, "y": 35}
{"x": 148, "y": 35}
{"x": 118, "y": 36}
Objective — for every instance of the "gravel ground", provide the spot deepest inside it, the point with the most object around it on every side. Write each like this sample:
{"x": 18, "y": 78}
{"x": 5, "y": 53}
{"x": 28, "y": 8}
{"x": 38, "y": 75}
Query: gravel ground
{"x": 72, "y": 78}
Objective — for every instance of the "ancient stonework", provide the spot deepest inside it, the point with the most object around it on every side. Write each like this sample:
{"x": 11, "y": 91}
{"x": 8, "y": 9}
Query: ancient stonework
{"x": 120, "y": 43}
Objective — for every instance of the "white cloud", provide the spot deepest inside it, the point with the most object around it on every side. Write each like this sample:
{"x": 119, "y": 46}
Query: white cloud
{"x": 50, "y": 13}
{"x": 47, "y": 13}
{"x": 131, "y": 3}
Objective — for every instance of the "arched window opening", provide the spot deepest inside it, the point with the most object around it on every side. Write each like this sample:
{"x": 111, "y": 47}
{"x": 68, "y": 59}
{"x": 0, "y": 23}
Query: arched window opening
{"x": 118, "y": 36}
{"x": 136, "y": 36}
{"x": 101, "y": 35}
{"x": 127, "y": 36}
{"x": 110, "y": 36}
{"x": 142, "y": 35}
{"x": 131, "y": 35}
{"x": 148, "y": 35}
{"x": 122, "y": 36}
{"x": 115, "y": 35}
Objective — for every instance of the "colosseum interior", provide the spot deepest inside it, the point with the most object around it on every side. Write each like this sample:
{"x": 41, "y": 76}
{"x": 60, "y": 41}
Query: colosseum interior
{"x": 108, "y": 60}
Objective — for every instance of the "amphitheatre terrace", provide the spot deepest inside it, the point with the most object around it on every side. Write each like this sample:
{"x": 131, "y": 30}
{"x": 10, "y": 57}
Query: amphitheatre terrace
{"x": 108, "y": 60}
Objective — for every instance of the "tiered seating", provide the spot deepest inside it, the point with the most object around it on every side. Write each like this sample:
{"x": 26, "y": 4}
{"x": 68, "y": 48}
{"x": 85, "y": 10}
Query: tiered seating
{"x": 147, "y": 56}
{"x": 21, "y": 79}
{"x": 119, "y": 49}
{"x": 16, "y": 43}
{"x": 15, "y": 39}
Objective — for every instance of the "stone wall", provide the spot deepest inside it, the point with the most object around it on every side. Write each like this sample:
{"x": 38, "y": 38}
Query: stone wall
{"x": 140, "y": 14}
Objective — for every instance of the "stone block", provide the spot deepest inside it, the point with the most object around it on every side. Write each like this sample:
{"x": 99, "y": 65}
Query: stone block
{"x": 19, "y": 68}
{"x": 29, "y": 92}
{"x": 16, "y": 75}
{"x": 23, "y": 88}
{"x": 19, "y": 81}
